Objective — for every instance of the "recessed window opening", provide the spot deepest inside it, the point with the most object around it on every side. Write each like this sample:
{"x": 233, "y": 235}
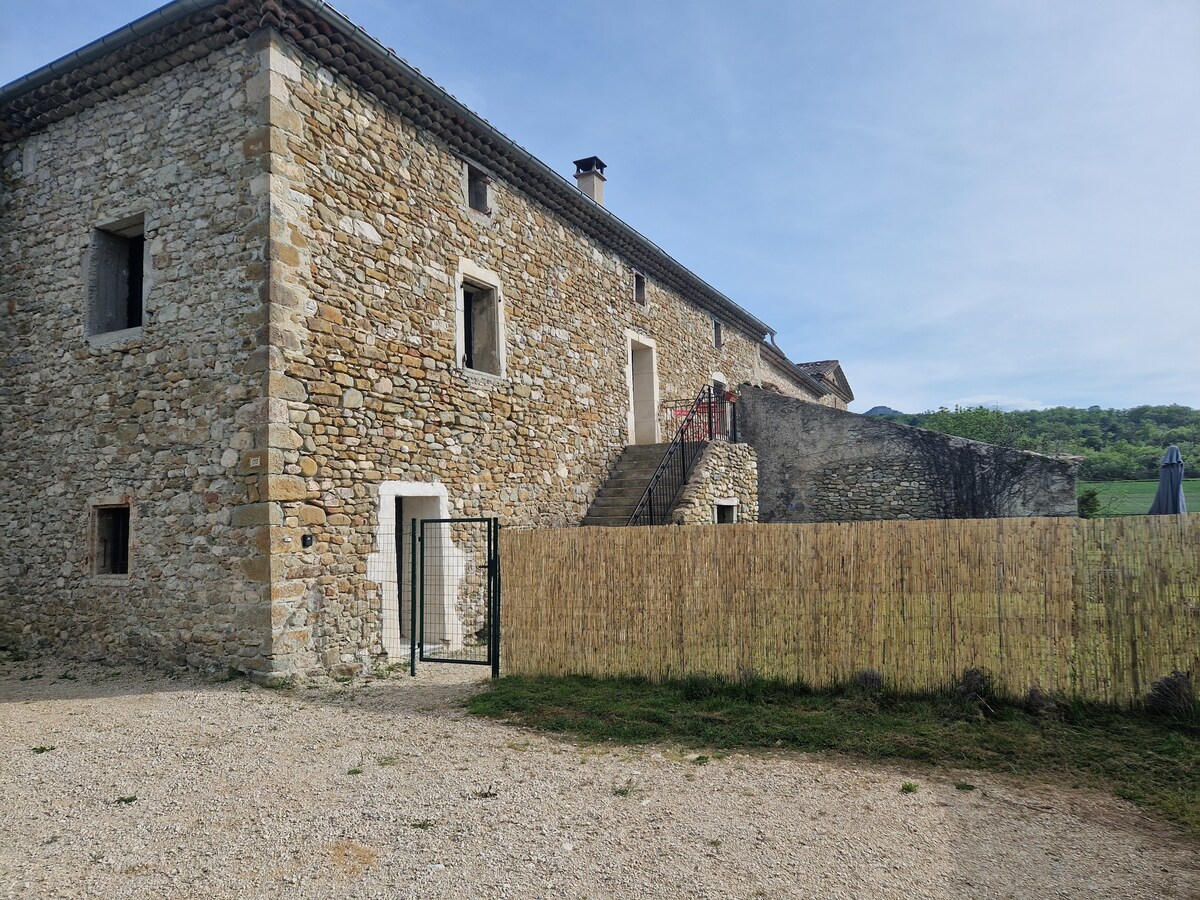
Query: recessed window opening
{"x": 116, "y": 277}
{"x": 112, "y": 540}
{"x": 718, "y": 336}
{"x": 725, "y": 513}
{"x": 639, "y": 288}
{"x": 481, "y": 329}
{"x": 477, "y": 190}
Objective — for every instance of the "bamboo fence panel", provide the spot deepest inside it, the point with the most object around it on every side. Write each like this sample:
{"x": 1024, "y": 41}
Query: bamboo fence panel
{"x": 1097, "y": 609}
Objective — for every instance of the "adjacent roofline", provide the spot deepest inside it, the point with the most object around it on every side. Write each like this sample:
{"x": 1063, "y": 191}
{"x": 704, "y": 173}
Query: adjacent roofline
{"x": 829, "y": 372}
{"x": 335, "y": 41}
{"x": 779, "y": 359}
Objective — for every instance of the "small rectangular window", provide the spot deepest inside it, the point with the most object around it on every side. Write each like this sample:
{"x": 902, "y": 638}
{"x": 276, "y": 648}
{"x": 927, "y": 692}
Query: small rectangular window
{"x": 477, "y": 190}
{"x": 115, "y": 279}
{"x": 639, "y": 288}
{"x": 718, "y": 337}
{"x": 481, "y": 329}
{"x": 726, "y": 513}
{"x": 112, "y": 540}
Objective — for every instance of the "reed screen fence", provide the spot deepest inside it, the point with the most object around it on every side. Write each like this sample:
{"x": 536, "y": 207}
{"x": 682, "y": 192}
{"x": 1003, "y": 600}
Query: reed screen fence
{"x": 1097, "y": 609}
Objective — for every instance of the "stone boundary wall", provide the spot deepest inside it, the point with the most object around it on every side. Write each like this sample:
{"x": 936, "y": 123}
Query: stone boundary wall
{"x": 818, "y": 464}
{"x": 724, "y": 472}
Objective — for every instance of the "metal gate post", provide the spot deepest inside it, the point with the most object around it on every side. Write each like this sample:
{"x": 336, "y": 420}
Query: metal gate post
{"x": 412, "y": 603}
{"x": 494, "y": 592}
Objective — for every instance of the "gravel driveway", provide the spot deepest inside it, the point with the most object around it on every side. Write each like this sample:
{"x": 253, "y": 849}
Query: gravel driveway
{"x": 387, "y": 789}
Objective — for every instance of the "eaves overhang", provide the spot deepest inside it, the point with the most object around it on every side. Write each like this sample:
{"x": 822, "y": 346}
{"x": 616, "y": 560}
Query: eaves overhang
{"x": 190, "y": 29}
{"x": 779, "y": 359}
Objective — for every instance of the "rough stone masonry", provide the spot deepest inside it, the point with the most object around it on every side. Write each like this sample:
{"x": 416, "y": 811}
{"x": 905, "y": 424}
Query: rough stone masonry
{"x": 826, "y": 465}
{"x": 300, "y": 205}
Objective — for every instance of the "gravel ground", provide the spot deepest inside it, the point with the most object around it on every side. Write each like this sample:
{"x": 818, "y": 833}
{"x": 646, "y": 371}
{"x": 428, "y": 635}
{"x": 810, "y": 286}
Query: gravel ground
{"x": 387, "y": 789}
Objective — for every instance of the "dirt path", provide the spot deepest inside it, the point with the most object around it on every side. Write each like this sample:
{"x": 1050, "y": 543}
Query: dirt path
{"x": 389, "y": 790}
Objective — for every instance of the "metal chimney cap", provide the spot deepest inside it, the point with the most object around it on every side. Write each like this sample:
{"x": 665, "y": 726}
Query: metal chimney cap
{"x": 589, "y": 164}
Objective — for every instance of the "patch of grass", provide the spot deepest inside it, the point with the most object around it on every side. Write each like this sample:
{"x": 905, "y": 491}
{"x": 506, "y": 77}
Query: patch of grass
{"x": 963, "y": 786}
{"x": 1151, "y": 760}
{"x": 43, "y": 749}
{"x": 354, "y": 771}
{"x": 126, "y": 800}
{"x": 628, "y": 789}
{"x": 386, "y": 760}
{"x": 423, "y": 824}
{"x": 908, "y": 788}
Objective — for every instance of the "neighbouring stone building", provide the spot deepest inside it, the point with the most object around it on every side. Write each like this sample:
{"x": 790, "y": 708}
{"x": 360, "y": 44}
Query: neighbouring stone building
{"x": 267, "y": 291}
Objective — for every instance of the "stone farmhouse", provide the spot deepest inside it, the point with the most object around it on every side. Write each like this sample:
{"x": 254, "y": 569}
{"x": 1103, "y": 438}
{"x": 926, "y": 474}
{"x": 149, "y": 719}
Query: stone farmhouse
{"x": 268, "y": 292}
{"x": 264, "y": 278}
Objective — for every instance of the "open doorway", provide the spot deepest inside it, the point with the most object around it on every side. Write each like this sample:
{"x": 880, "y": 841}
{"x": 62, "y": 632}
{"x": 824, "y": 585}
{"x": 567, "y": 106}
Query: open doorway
{"x": 643, "y": 391}
{"x": 721, "y": 408}
{"x": 391, "y": 565}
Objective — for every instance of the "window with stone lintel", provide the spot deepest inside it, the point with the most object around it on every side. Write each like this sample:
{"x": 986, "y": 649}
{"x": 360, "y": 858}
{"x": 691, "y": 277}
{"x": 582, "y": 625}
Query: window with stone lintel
{"x": 111, "y": 540}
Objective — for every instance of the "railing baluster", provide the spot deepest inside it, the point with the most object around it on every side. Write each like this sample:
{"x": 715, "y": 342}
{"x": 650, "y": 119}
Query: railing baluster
{"x": 684, "y": 449}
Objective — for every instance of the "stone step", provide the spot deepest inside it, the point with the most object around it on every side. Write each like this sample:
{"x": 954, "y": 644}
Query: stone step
{"x": 626, "y": 484}
{"x": 613, "y": 509}
{"x": 624, "y": 489}
{"x": 605, "y": 521}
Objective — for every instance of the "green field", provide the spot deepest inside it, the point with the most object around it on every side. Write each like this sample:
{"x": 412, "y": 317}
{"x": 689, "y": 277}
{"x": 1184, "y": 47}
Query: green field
{"x": 1133, "y": 498}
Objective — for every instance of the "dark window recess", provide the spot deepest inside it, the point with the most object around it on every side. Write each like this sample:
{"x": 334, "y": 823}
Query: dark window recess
{"x": 718, "y": 336}
{"x": 112, "y": 540}
{"x": 116, "y": 280}
{"x": 481, "y": 329}
{"x": 726, "y": 514}
{"x": 477, "y": 190}
{"x": 639, "y": 289}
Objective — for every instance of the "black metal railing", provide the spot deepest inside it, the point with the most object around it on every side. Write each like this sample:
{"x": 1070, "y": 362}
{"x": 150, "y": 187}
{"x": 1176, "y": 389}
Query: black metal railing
{"x": 712, "y": 416}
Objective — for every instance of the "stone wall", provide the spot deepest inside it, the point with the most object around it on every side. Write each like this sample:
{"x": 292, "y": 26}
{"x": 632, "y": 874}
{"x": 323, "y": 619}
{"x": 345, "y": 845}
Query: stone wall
{"x": 824, "y": 465}
{"x": 380, "y": 237}
{"x": 165, "y": 418}
{"x": 724, "y": 472}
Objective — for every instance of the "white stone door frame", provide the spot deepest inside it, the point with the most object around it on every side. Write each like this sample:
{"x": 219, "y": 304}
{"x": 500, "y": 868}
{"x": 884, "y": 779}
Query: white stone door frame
{"x": 641, "y": 375}
{"x": 384, "y": 566}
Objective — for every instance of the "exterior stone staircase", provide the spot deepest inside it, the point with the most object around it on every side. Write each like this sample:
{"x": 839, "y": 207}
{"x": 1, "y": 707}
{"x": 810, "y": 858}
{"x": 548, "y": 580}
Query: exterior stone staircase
{"x": 619, "y": 495}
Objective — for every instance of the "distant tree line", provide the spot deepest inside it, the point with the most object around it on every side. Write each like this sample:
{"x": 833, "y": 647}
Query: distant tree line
{"x": 1116, "y": 444}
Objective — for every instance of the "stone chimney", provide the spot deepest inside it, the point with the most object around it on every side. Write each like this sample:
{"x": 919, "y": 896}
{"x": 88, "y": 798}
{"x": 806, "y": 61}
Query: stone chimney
{"x": 589, "y": 175}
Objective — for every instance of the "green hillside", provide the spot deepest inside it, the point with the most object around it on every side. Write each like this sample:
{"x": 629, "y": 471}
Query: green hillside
{"x": 1116, "y": 444}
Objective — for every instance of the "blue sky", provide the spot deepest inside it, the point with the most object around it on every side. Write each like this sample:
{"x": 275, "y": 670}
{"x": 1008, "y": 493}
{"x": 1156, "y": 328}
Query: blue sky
{"x": 989, "y": 202}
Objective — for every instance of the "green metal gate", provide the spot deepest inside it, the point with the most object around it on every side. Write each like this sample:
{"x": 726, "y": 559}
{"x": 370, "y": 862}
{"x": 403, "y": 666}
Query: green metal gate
{"x": 455, "y": 587}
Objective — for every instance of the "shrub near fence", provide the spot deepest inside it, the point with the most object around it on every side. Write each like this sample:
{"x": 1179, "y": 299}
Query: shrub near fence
{"x": 1097, "y": 609}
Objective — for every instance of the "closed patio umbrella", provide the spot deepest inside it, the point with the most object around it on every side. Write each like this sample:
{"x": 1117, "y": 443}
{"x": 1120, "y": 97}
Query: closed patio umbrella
{"x": 1169, "y": 499}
